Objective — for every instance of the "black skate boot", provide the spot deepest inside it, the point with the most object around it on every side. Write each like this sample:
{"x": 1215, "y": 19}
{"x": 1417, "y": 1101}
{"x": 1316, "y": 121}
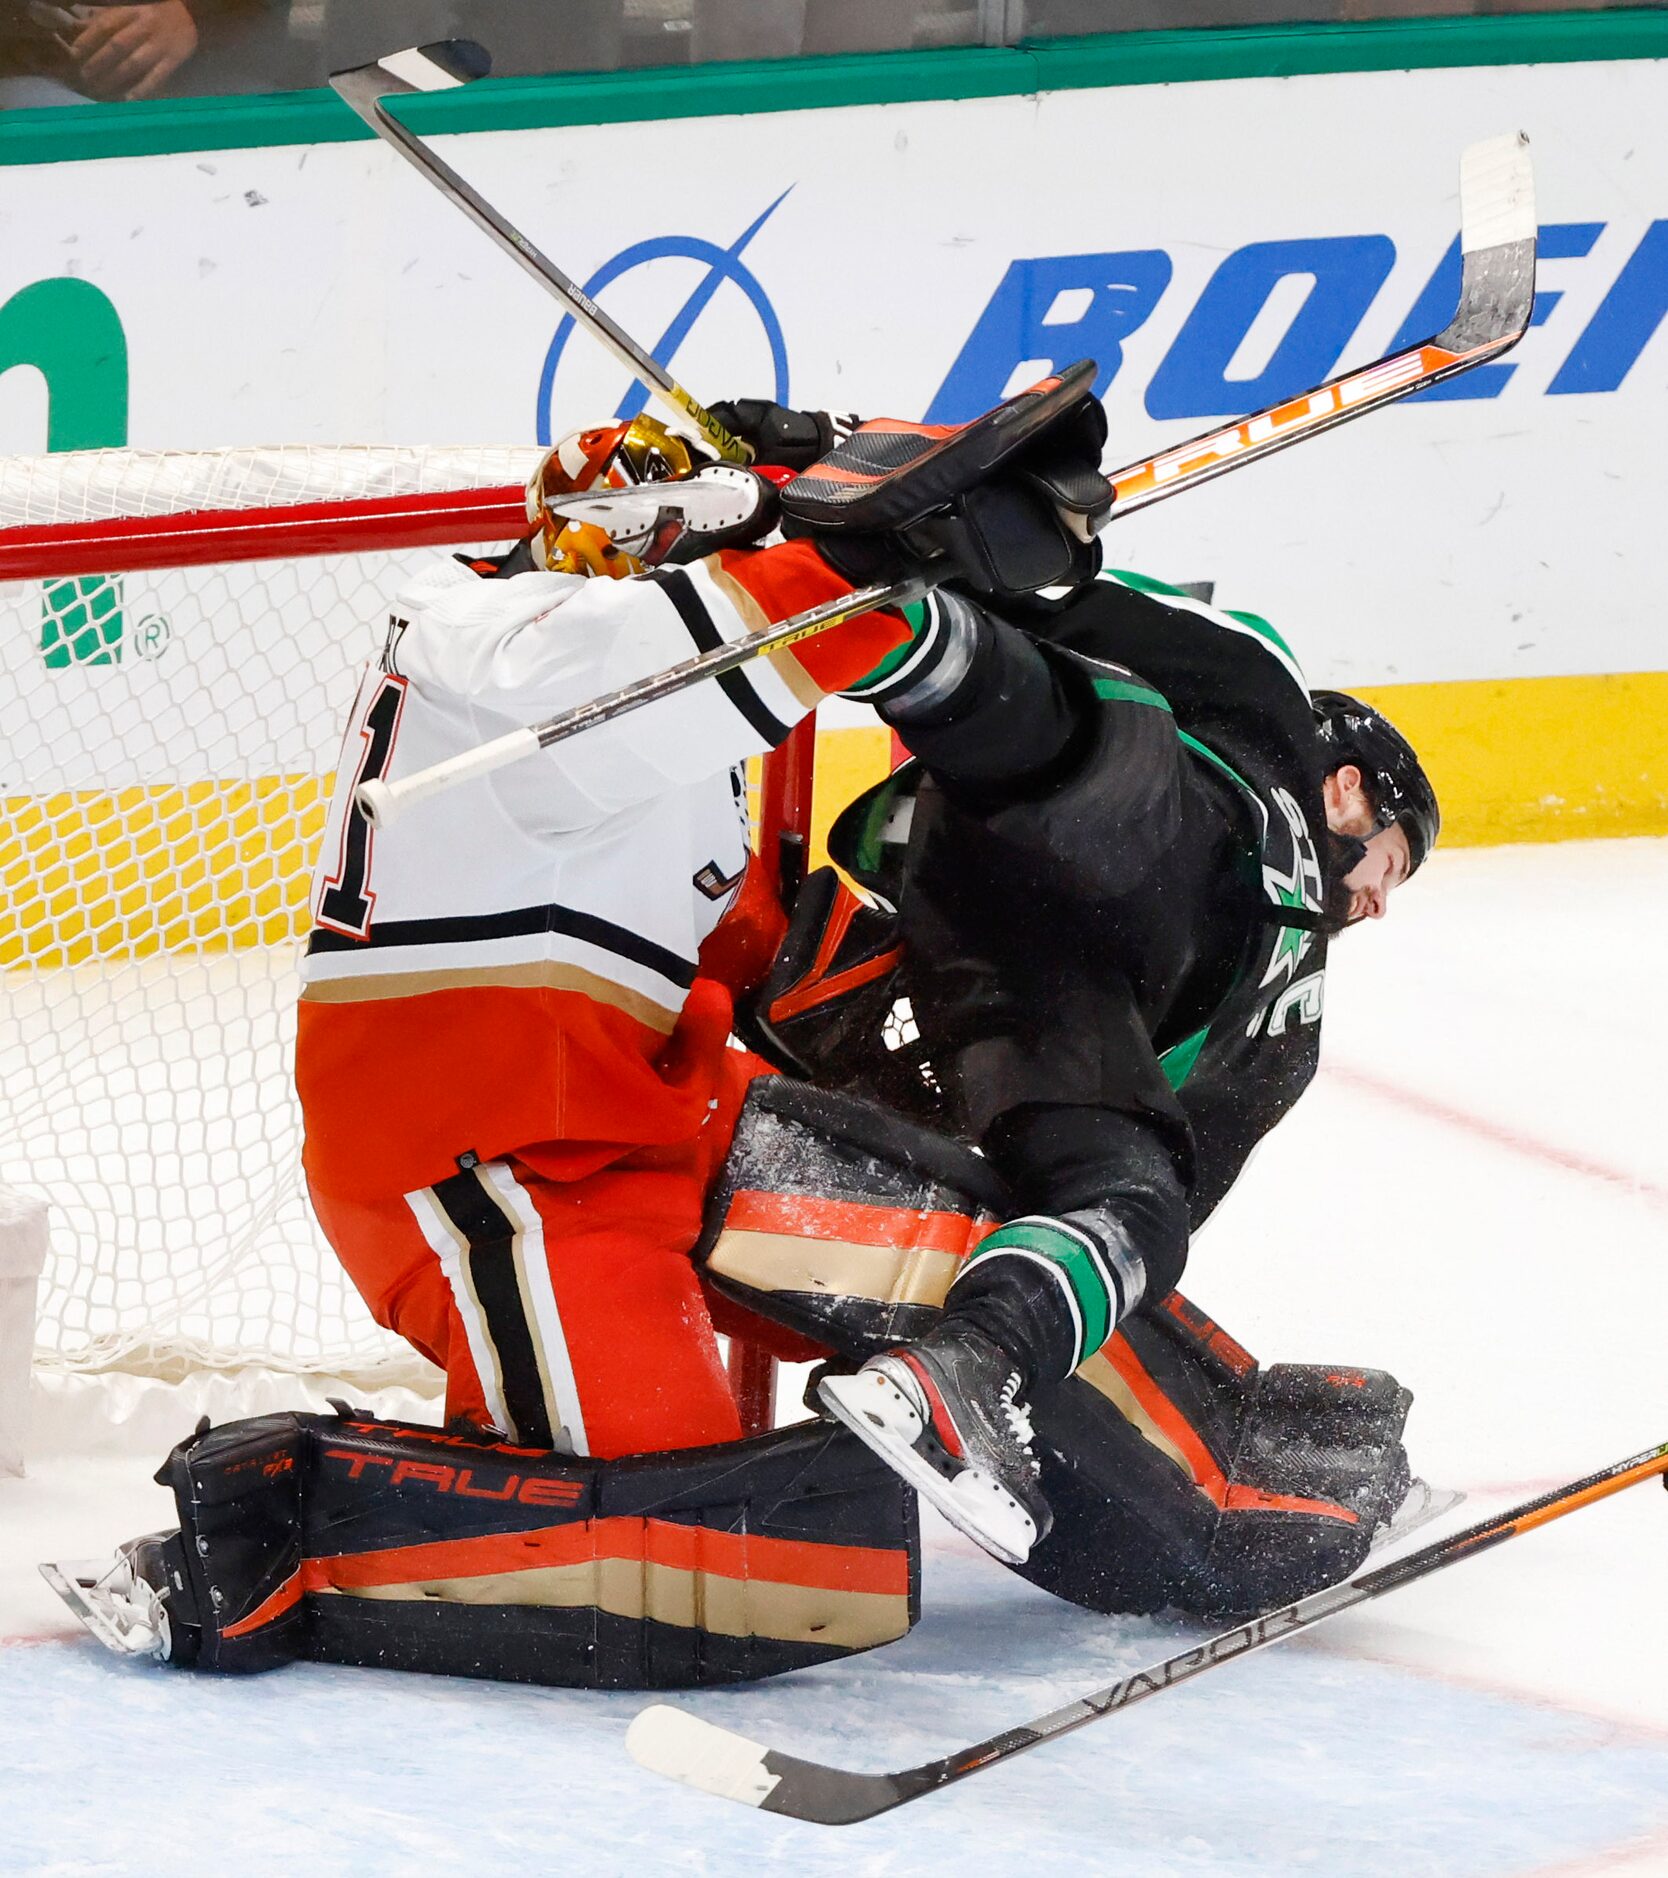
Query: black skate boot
{"x": 943, "y": 1413}
{"x": 139, "y": 1604}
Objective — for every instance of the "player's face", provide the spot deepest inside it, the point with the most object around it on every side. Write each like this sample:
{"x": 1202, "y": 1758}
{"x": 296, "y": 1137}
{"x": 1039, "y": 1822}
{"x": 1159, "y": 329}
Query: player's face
{"x": 1386, "y": 863}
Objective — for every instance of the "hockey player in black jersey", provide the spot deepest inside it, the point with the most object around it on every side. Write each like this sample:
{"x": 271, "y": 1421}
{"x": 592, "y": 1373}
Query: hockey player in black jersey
{"x": 1127, "y": 836}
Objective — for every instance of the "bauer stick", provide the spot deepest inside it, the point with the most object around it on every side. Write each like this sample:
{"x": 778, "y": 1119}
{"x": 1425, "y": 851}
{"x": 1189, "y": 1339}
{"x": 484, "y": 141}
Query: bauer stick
{"x": 1497, "y": 296}
{"x": 448, "y": 65}
{"x": 673, "y": 1742}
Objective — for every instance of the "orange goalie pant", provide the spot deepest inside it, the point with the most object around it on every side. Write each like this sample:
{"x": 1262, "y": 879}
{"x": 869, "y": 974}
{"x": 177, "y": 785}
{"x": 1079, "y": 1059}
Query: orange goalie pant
{"x": 564, "y": 1313}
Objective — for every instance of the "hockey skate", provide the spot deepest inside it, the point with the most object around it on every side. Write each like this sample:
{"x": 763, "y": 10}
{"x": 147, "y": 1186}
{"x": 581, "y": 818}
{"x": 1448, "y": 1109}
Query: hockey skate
{"x": 137, "y": 1604}
{"x": 943, "y": 1414}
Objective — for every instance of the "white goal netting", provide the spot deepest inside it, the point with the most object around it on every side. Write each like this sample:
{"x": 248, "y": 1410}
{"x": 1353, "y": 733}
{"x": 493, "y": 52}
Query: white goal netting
{"x": 166, "y": 742}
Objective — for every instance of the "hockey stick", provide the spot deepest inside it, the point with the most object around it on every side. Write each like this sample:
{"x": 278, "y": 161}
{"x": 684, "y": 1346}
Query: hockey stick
{"x": 1497, "y": 296}
{"x": 446, "y": 66}
{"x": 669, "y": 1741}
{"x": 382, "y": 803}
{"x": 1498, "y": 233}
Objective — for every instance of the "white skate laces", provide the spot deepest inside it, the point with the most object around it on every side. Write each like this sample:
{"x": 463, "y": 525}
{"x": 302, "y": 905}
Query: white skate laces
{"x": 1018, "y": 1416}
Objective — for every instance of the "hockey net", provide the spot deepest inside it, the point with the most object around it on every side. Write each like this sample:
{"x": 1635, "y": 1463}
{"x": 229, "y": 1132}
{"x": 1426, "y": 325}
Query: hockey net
{"x": 182, "y": 635}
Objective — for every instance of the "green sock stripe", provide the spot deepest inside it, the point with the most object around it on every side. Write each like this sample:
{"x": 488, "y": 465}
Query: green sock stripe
{"x": 1096, "y": 1303}
{"x": 915, "y": 618}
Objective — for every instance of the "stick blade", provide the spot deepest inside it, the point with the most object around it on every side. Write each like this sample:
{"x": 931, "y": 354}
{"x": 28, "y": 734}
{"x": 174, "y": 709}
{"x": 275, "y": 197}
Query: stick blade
{"x": 684, "y": 1748}
{"x": 681, "y": 1746}
{"x": 1498, "y": 237}
{"x": 442, "y": 65}
{"x": 1497, "y": 193}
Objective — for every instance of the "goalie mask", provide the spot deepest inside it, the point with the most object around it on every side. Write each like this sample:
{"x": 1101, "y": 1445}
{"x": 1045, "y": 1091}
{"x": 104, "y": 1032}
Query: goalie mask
{"x": 622, "y": 456}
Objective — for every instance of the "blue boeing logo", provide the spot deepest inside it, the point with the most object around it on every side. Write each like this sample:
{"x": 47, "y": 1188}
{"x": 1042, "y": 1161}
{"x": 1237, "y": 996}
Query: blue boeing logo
{"x": 1046, "y": 310}
{"x": 723, "y": 265}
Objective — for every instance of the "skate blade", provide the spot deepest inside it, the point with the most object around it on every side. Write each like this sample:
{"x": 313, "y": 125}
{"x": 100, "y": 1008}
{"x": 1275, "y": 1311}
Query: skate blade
{"x": 111, "y": 1617}
{"x": 889, "y": 1443}
{"x": 1420, "y": 1505}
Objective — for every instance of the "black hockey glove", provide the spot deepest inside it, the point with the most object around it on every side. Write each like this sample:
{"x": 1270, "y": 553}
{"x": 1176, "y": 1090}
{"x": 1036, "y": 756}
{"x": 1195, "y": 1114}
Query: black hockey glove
{"x": 1002, "y": 506}
{"x": 782, "y": 439}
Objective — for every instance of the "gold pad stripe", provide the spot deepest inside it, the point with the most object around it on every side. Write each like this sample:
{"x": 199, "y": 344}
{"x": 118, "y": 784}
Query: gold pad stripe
{"x": 1099, "y": 1374}
{"x": 692, "y": 1600}
{"x": 769, "y": 1261}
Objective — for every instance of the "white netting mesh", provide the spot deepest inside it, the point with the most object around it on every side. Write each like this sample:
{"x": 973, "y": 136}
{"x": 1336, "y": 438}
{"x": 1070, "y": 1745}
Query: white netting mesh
{"x": 94, "y": 485}
{"x": 166, "y": 741}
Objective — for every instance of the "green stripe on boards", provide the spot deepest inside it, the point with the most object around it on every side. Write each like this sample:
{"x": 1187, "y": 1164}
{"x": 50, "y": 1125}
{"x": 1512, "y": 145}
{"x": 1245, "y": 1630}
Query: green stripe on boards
{"x": 75, "y": 133}
{"x": 1095, "y": 1302}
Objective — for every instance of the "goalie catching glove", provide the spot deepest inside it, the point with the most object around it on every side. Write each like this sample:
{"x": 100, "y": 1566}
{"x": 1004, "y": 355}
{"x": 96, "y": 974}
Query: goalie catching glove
{"x": 1006, "y": 504}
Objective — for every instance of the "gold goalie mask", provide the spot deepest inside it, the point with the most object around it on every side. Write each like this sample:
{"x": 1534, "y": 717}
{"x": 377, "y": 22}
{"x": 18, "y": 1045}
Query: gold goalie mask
{"x": 624, "y": 456}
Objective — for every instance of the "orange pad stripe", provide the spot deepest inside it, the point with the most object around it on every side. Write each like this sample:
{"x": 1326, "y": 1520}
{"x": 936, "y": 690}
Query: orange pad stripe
{"x": 850, "y": 1222}
{"x": 648, "y": 1541}
{"x": 285, "y": 1598}
{"x": 1207, "y": 1475}
{"x": 816, "y": 991}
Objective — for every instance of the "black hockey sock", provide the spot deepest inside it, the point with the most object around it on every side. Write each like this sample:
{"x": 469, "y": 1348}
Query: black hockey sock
{"x": 1023, "y": 1311}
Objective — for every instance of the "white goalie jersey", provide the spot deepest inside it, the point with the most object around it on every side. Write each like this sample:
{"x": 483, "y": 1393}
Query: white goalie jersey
{"x": 507, "y": 965}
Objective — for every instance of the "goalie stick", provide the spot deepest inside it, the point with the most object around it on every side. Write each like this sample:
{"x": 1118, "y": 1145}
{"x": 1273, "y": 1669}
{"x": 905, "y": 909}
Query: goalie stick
{"x": 1497, "y": 296}
{"x": 446, "y": 66}
{"x": 683, "y": 1747}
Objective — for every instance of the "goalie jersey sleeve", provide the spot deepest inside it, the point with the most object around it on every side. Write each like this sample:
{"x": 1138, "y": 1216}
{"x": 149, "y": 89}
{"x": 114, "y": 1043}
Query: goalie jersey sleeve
{"x": 515, "y": 966}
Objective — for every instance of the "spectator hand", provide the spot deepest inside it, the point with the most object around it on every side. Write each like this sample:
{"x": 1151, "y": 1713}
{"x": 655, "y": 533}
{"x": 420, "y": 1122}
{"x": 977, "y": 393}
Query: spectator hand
{"x": 132, "y": 51}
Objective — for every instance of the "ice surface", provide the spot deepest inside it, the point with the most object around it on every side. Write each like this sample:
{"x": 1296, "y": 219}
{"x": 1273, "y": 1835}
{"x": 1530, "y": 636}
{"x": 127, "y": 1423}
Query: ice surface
{"x": 1475, "y": 1195}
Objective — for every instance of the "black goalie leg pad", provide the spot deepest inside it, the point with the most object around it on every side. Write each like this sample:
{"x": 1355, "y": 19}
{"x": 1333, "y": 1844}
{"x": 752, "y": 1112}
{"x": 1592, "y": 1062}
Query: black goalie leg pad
{"x": 839, "y": 1220}
{"x": 1316, "y": 1443}
{"x": 1181, "y": 1476}
{"x": 238, "y": 1490}
{"x": 347, "y": 1540}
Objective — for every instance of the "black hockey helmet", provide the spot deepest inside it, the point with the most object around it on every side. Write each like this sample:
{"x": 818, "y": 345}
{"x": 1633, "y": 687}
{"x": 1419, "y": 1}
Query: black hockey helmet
{"x": 1359, "y": 733}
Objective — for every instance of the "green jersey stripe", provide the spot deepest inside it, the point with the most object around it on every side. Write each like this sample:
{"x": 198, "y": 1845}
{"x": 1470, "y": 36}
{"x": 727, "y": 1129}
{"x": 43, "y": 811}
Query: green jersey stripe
{"x": 1120, "y": 691}
{"x": 1252, "y": 624}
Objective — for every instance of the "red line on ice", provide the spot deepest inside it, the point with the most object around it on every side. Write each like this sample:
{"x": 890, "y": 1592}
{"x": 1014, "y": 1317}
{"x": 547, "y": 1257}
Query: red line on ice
{"x": 1647, "y": 1856}
{"x": 1514, "y": 1140}
{"x": 1639, "y": 1727}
